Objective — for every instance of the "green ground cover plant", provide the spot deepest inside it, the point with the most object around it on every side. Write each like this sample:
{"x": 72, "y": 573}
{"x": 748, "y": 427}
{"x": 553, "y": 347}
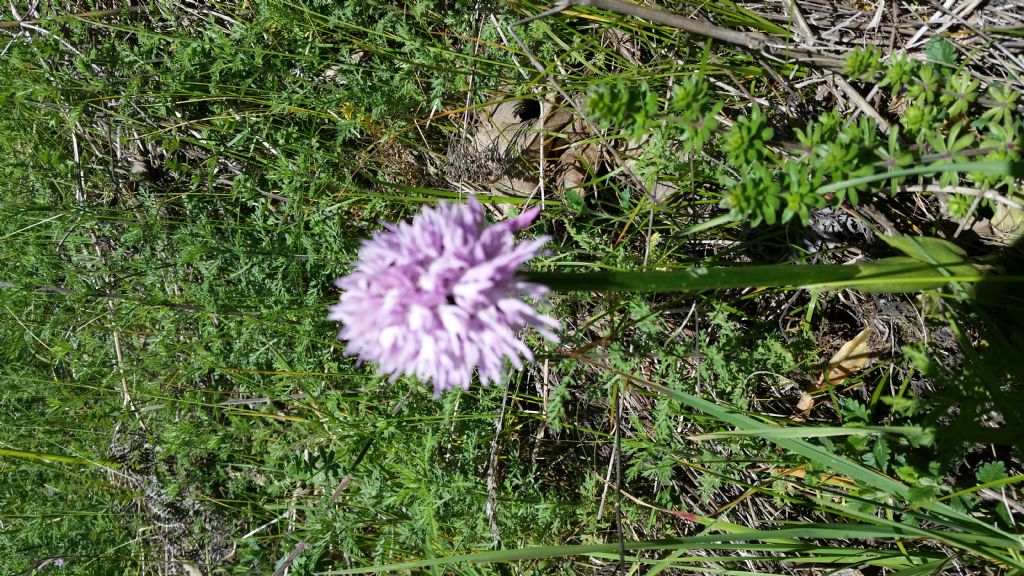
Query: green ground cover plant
{"x": 181, "y": 184}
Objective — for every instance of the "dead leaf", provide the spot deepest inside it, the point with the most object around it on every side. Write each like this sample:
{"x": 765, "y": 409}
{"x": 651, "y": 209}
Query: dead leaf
{"x": 803, "y": 407}
{"x": 849, "y": 360}
{"x": 1007, "y": 223}
{"x": 805, "y": 403}
{"x": 798, "y": 473}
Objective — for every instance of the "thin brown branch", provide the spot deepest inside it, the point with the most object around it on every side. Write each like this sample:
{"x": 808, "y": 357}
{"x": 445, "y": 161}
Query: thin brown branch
{"x": 754, "y": 41}
{"x": 750, "y": 40}
{"x": 966, "y": 191}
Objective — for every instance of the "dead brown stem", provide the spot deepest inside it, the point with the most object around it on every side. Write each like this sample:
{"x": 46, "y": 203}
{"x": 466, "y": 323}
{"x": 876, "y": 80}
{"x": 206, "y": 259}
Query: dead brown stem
{"x": 753, "y": 41}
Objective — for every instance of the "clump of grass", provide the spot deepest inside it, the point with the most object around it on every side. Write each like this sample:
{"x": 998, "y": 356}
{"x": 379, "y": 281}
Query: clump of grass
{"x": 182, "y": 186}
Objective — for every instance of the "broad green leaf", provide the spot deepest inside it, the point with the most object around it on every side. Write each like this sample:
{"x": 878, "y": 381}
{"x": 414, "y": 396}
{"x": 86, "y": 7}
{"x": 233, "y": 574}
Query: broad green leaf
{"x": 927, "y": 249}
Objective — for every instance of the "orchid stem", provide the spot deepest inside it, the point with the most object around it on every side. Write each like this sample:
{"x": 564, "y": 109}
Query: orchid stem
{"x": 888, "y": 275}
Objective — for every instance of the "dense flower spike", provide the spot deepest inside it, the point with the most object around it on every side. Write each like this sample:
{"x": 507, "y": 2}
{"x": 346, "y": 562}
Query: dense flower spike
{"x": 437, "y": 297}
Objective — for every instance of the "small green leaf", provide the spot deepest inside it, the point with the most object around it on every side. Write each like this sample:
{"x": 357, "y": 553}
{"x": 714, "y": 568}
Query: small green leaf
{"x": 991, "y": 472}
{"x": 922, "y": 494}
{"x": 941, "y": 50}
{"x": 857, "y": 444}
{"x": 575, "y": 201}
{"x": 854, "y": 410}
{"x": 921, "y": 437}
{"x": 900, "y": 405}
{"x": 880, "y": 453}
{"x": 908, "y": 474}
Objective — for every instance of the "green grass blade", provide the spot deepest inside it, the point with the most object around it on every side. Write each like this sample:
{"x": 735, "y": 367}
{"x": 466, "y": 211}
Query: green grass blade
{"x": 898, "y": 274}
{"x": 775, "y": 432}
{"x": 704, "y": 542}
{"x": 998, "y": 168}
{"x": 58, "y": 458}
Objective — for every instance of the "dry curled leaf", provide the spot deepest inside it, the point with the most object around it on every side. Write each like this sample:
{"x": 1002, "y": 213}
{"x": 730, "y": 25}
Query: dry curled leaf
{"x": 806, "y": 402}
{"x": 803, "y": 407}
{"x": 849, "y": 360}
